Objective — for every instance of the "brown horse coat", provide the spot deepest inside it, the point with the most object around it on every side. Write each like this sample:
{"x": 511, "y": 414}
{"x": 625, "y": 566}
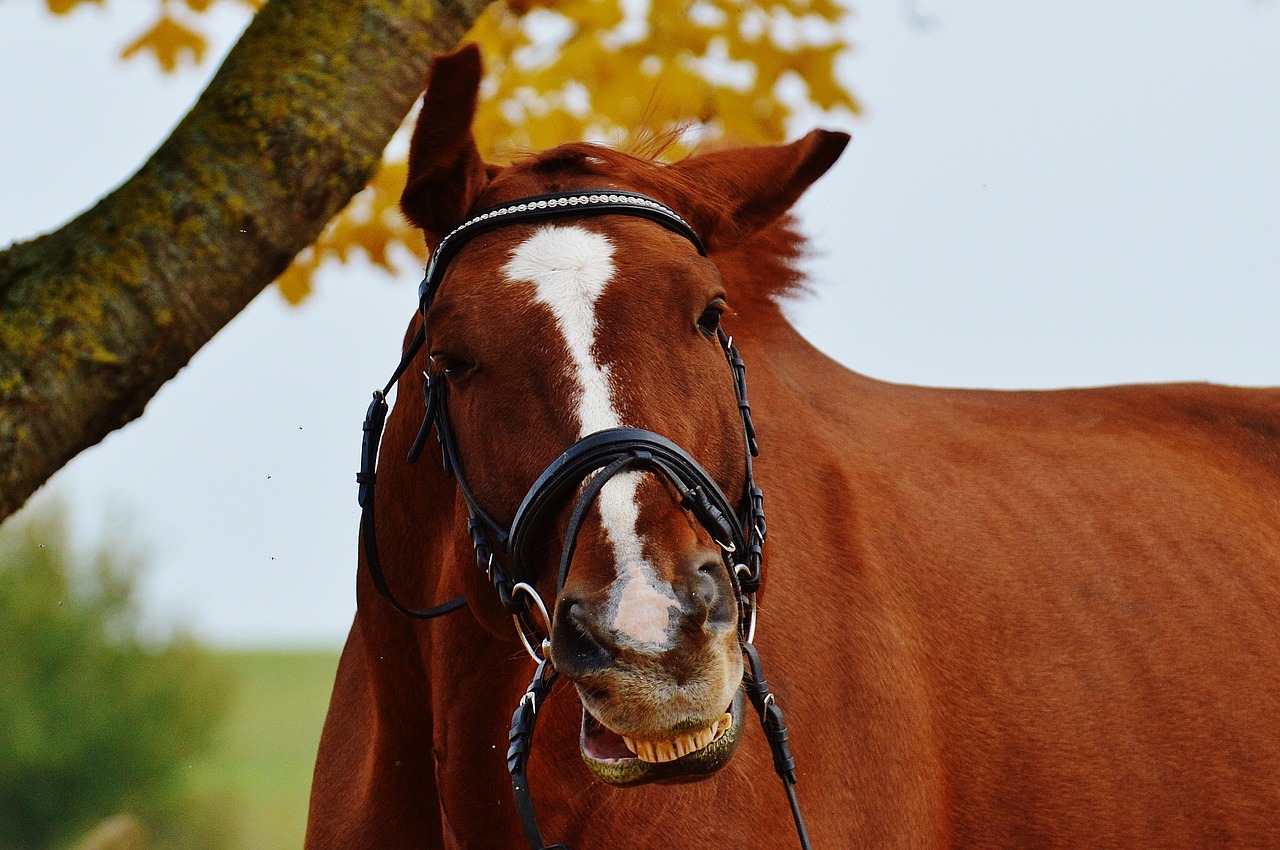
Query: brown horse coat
{"x": 994, "y": 619}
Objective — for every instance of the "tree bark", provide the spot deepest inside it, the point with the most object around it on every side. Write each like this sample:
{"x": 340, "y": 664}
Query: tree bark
{"x": 96, "y": 316}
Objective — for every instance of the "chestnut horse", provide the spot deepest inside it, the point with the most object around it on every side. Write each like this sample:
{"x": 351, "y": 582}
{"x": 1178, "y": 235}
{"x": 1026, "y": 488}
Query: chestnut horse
{"x": 993, "y": 619}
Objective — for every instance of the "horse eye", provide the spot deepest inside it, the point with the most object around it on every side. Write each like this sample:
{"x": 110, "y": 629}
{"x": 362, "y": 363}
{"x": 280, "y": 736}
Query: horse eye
{"x": 709, "y": 321}
{"x": 450, "y": 366}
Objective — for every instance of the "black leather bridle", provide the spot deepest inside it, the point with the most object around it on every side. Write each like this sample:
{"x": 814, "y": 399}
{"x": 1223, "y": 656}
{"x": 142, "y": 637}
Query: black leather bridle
{"x": 505, "y": 554}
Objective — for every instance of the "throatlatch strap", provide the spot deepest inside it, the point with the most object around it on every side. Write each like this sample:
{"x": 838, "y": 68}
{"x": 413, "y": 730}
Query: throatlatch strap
{"x": 375, "y": 419}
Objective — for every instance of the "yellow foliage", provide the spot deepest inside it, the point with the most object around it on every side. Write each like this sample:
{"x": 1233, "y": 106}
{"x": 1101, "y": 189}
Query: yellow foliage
{"x": 563, "y": 70}
{"x": 64, "y": 7}
{"x": 695, "y": 64}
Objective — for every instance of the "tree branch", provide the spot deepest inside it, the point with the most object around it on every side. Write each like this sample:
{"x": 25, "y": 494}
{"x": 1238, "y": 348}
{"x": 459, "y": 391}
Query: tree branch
{"x": 97, "y": 315}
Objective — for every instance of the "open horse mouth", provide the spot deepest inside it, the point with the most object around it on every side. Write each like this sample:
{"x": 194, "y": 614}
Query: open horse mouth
{"x": 623, "y": 761}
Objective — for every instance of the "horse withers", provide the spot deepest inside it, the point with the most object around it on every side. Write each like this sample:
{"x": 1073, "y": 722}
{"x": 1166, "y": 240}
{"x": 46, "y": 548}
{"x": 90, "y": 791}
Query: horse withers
{"x": 994, "y": 619}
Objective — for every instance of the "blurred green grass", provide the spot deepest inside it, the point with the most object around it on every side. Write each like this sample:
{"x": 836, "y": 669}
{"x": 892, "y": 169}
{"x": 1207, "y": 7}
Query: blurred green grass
{"x": 264, "y": 753}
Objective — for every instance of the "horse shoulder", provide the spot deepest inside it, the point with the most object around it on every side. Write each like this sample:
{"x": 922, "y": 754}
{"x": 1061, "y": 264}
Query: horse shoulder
{"x": 370, "y": 789}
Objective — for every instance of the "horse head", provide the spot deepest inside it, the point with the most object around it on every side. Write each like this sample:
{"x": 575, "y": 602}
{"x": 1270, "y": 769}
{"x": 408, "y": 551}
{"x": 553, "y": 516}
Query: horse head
{"x": 542, "y": 333}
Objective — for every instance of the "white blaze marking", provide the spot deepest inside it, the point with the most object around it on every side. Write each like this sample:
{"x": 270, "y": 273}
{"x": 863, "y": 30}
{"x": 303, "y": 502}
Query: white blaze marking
{"x": 570, "y": 268}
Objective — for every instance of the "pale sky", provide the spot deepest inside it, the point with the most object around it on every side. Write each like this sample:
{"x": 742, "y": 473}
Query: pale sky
{"x": 1039, "y": 195}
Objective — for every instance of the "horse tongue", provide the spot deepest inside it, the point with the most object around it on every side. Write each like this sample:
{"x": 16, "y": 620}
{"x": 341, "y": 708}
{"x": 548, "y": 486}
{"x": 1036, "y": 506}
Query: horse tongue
{"x": 601, "y": 743}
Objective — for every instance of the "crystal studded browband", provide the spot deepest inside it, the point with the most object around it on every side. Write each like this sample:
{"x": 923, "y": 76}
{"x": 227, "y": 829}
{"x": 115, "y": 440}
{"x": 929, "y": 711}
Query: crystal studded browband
{"x": 591, "y": 202}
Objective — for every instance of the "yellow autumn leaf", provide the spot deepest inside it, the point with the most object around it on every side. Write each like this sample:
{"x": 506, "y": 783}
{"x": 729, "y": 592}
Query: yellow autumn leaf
{"x": 818, "y": 69}
{"x": 65, "y": 7}
{"x": 295, "y": 283}
{"x": 828, "y": 9}
{"x": 594, "y": 15}
{"x": 168, "y": 40}
{"x": 667, "y": 12}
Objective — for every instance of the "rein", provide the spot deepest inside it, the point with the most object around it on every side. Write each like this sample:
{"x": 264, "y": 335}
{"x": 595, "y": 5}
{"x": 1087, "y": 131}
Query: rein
{"x": 594, "y": 459}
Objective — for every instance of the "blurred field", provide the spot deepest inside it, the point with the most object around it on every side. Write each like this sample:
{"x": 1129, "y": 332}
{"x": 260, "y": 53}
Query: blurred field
{"x": 265, "y": 752}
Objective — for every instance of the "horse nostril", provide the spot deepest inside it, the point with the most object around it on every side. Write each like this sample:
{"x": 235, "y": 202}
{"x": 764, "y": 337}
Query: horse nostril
{"x": 710, "y": 601}
{"x": 575, "y": 648}
{"x": 705, "y": 592}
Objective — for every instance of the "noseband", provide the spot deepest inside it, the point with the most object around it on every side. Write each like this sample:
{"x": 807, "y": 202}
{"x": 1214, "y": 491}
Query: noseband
{"x": 505, "y": 554}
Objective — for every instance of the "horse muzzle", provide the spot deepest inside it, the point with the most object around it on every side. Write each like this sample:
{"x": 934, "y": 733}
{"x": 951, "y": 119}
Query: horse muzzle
{"x": 683, "y": 756}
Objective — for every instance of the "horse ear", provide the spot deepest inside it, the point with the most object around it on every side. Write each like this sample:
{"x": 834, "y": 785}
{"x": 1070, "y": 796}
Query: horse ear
{"x": 446, "y": 174}
{"x": 742, "y": 190}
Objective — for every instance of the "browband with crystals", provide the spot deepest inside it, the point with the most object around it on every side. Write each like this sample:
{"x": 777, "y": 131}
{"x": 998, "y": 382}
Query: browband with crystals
{"x": 540, "y": 208}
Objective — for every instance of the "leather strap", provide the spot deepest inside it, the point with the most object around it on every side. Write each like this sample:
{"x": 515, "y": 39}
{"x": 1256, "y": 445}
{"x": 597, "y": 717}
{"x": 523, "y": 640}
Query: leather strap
{"x": 374, "y": 421}
{"x": 775, "y": 730}
{"x": 521, "y": 738}
{"x": 585, "y": 501}
{"x": 699, "y": 494}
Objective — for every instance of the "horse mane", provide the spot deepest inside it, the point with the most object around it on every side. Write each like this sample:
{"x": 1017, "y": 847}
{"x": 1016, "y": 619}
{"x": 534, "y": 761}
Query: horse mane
{"x": 758, "y": 272}
{"x": 762, "y": 271}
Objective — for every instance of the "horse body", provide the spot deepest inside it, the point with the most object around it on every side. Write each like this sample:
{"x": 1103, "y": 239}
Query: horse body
{"x": 994, "y": 619}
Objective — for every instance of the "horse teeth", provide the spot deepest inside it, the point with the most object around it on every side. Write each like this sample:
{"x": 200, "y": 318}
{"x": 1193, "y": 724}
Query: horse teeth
{"x": 657, "y": 752}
